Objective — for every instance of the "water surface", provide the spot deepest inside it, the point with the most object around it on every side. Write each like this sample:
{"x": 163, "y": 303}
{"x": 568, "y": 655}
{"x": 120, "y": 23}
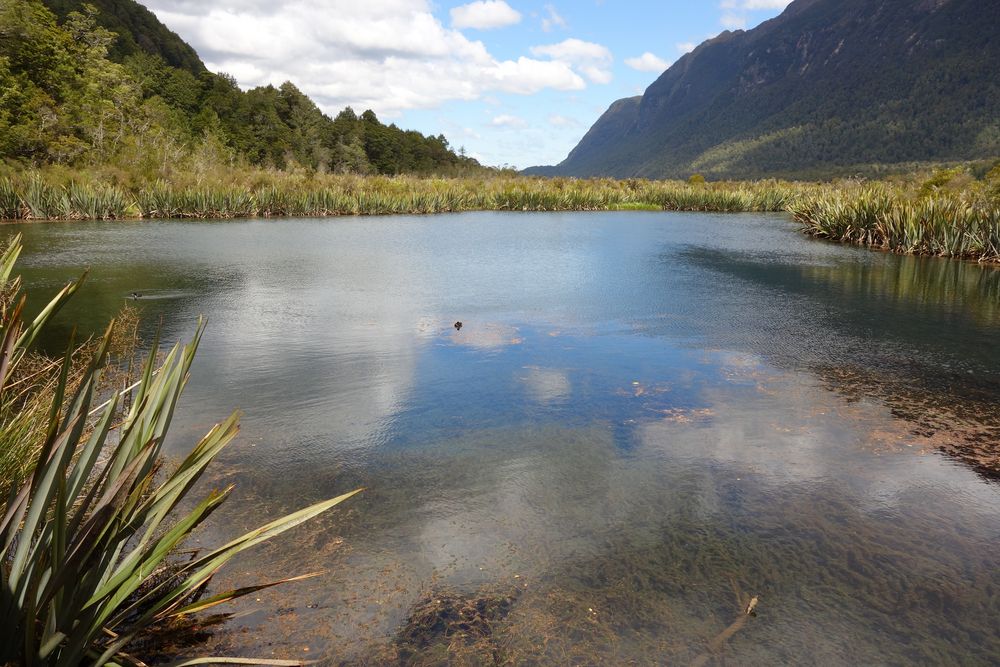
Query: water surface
{"x": 645, "y": 419}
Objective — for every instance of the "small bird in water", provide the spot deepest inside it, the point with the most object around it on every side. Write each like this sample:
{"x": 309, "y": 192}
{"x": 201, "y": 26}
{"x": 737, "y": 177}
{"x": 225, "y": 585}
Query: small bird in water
{"x": 458, "y": 326}
{"x": 136, "y": 295}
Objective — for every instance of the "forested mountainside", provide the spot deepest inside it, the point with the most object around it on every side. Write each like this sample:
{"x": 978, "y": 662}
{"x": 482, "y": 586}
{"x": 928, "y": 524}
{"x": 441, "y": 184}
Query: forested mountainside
{"x": 138, "y": 31}
{"x": 827, "y": 86}
{"x": 106, "y": 83}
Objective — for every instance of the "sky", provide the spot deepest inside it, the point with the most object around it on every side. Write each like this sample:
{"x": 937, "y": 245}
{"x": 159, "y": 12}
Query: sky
{"x": 512, "y": 82}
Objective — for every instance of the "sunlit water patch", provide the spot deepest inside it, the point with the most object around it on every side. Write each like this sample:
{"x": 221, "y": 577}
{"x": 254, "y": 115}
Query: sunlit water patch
{"x": 644, "y": 420}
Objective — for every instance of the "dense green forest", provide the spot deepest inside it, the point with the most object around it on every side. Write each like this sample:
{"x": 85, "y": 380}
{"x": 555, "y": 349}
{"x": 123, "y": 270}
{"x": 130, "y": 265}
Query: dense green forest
{"x": 138, "y": 31}
{"x": 72, "y": 92}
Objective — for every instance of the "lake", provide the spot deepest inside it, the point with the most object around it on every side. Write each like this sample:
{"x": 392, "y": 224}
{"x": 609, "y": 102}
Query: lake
{"x": 645, "y": 420}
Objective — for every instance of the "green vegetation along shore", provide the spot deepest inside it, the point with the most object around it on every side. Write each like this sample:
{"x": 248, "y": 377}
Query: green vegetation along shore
{"x": 950, "y": 213}
{"x": 94, "y": 127}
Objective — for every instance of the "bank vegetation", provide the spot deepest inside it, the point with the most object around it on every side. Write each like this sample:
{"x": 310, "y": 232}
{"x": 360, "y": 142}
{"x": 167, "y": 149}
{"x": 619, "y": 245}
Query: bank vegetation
{"x": 949, "y": 212}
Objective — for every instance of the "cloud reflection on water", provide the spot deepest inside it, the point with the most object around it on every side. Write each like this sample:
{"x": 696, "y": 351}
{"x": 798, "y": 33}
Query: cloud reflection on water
{"x": 673, "y": 435}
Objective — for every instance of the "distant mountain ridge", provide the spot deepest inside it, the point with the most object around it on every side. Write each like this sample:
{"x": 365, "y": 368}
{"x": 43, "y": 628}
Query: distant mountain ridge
{"x": 825, "y": 86}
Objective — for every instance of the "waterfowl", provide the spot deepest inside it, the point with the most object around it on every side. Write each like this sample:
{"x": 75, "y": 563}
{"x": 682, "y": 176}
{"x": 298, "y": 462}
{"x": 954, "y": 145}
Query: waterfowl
{"x": 458, "y": 326}
{"x": 136, "y": 295}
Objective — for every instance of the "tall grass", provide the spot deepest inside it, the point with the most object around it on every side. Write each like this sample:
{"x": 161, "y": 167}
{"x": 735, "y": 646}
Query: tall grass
{"x": 958, "y": 221}
{"x": 947, "y": 225}
{"x": 265, "y": 194}
{"x": 10, "y": 200}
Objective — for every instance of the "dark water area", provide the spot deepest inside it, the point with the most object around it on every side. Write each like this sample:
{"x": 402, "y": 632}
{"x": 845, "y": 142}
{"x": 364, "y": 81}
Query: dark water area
{"x": 646, "y": 419}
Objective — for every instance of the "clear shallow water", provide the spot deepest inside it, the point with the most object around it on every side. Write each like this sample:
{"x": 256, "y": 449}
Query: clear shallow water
{"x": 642, "y": 412}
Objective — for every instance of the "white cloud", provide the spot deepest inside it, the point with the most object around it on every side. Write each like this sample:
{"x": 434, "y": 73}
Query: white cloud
{"x": 387, "y": 55}
{"x": 552, "y": 19}
{"x": 526, "y": 76}
{"x": 590, "y": 59}
{"x": 686, "y": 47}
{"x": 484, "y": 15}
{"x": 732, "y": 21}
{"x": 734, "y": 11}
{"x": 754, "y": 4}
{"x": 573, "y": 49}
{"x": 765, "y": 4}
{"x": 562, "y": 121}
{"x": 647, "y": 62}
{"x": 505, "y": 120}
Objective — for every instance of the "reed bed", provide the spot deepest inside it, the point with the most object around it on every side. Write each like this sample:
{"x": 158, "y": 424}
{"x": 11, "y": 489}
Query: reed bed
{"x": 35, "y": 198}
{"x": 963, "y": 225}
{"x": 904, "y": 218}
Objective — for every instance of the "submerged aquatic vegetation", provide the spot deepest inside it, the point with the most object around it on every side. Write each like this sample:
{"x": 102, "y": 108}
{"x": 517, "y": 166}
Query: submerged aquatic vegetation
{"x": 87, "y": 534}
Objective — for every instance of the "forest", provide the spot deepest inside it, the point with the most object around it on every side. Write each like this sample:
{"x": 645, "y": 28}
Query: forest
{"x": 74, "y": 93}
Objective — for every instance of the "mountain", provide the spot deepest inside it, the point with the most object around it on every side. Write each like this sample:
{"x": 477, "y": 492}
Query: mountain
{"x": 827, "y": 87}
{"x": 105, "y": 83}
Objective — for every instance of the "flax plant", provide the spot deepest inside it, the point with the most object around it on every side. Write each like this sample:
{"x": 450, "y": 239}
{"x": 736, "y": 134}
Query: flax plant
{"x": 10, "y": 202}
{"x": 281, "y": 195}
{"x": 954, "y": 221}
{"x": 942, "y": 224}
{"x": 85, "y": 537}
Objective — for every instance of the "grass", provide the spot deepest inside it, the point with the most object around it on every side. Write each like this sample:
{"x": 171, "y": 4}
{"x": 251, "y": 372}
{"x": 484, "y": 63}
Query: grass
{"x": 277, "y": 194}
{"x": 960, "y": 226}
{"x": 950, "y": 213}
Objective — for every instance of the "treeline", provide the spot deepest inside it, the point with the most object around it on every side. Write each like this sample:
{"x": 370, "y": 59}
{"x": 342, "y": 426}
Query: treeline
{"x": 71, "y": 95}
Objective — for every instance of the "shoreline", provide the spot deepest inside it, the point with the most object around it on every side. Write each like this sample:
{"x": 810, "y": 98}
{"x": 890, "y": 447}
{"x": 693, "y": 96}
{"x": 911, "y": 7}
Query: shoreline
{"x": 961, "y": 222}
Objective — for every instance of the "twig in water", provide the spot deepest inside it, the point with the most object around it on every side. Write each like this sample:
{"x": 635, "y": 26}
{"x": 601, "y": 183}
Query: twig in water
{"x": 748, "y": 608}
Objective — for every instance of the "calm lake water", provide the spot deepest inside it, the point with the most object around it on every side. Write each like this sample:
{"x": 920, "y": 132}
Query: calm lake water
{"x": 646, "y": 419}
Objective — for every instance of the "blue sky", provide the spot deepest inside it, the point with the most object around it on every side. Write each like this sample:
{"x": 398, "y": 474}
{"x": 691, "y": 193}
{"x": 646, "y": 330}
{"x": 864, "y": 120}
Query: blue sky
{"x": 513, "y": 82}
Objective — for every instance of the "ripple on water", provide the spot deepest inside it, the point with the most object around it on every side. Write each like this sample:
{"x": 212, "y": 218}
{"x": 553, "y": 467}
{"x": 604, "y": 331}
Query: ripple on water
{"x": 645, "y": 419}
